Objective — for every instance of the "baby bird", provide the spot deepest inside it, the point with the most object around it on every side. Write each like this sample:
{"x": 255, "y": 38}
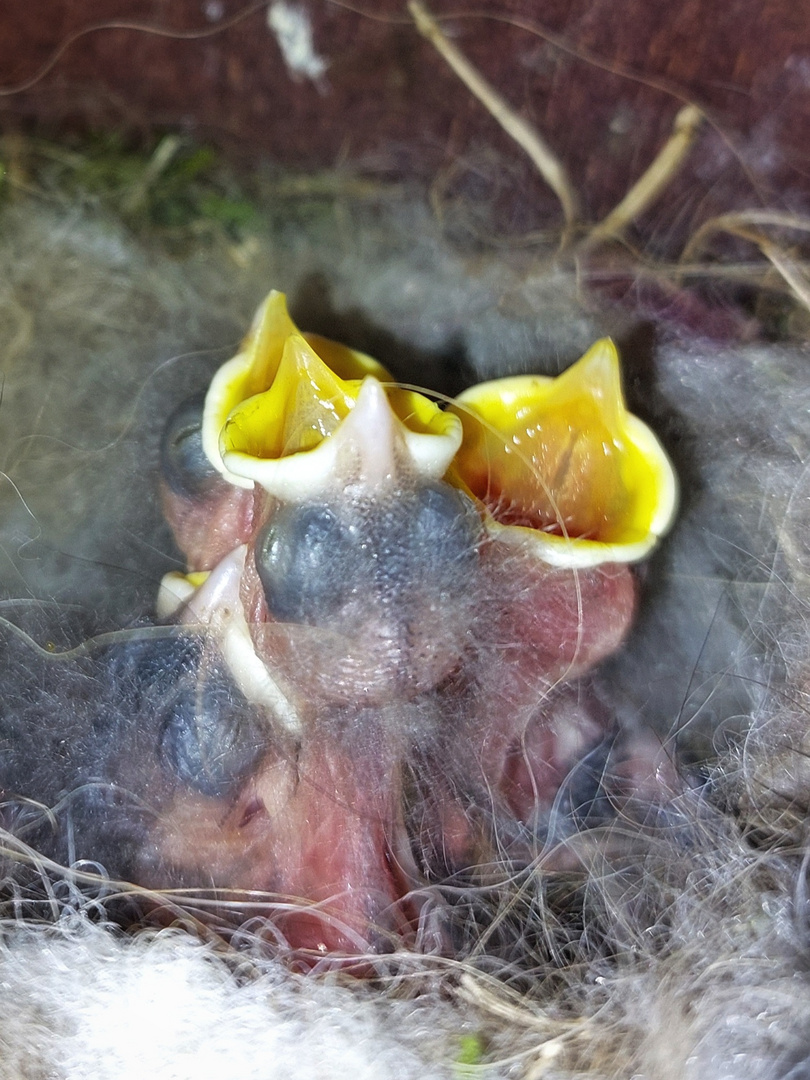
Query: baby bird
{"x": 358, "y": 686}
{"x": 396, "y": 592}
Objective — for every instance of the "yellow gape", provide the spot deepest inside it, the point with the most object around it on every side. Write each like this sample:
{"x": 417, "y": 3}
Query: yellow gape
{"x": 557, "y": 462}
{"x": 564, "y": 460}
{"x": 276, "y": 413}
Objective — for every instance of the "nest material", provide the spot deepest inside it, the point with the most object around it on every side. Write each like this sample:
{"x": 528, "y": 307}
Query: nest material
{"x": 682, "y": 950}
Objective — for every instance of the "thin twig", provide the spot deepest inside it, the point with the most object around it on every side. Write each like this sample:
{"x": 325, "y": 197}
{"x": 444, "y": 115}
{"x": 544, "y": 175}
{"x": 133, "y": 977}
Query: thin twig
{"x": 791, "y": 271}
{"x": 738, "y": 220}
{"x": 161, "y": 159}
{"x": 654, "y": 180}
{"x": 548, "y": 164}
{"x": 740, "y": 224}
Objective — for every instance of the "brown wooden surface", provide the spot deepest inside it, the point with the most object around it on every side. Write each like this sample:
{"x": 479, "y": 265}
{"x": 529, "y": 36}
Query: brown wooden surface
{"x": 389, "y": 104}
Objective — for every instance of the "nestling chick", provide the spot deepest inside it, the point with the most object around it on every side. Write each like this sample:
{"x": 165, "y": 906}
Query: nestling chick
{"x": 395, "y": 591}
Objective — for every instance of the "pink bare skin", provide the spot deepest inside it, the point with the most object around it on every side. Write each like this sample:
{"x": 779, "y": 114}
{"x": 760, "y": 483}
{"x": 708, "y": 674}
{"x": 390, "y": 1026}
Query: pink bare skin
{"x": 208, "y": 527}
{"x": 459, "y": 690}
{"x": 307, "y": 825}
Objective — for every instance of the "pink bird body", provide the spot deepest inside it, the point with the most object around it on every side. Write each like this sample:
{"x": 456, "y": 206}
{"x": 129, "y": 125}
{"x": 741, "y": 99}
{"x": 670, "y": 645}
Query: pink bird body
{"x": 397, "y": 600}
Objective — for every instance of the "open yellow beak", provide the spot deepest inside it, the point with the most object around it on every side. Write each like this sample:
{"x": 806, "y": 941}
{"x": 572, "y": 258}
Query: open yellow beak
{"x": 562, "y": 463}
{"x": 557, "y": 463}
{"x": 275, "y": 414}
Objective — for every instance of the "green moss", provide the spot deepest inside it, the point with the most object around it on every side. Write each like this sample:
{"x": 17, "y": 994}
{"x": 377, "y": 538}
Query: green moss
{"x": 470, "y": 1054}
{"x": 183, "y": 197}
{"x": 172, "y": 185}
{"x": 233, "y": 213}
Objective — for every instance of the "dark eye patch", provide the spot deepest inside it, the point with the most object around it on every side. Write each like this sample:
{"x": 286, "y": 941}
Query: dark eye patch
{"x": 207, "y": 734}
{"x": 308, "y": 562}
{"x": 426, "y": 542}
{"x": 311, "y": 560}
{"x": 185, "y": 467}
{"x": 207, "y": 738}
{"x": 446, "y": 527}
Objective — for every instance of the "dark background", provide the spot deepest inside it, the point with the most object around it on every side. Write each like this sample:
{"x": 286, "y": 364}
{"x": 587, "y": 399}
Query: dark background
{"x": 389, "y": 106}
